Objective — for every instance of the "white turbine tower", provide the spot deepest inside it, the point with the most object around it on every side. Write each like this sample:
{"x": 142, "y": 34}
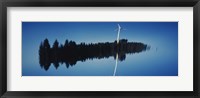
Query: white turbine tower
{"x": 118, "y": 32}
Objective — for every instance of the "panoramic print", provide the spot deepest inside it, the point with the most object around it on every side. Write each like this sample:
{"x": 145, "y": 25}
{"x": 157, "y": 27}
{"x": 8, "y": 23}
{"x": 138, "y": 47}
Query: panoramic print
{"x": 99, "y": 48}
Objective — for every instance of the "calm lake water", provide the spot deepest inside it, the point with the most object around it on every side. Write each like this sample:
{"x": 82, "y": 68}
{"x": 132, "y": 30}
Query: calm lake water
{"x": 153, "y": 62}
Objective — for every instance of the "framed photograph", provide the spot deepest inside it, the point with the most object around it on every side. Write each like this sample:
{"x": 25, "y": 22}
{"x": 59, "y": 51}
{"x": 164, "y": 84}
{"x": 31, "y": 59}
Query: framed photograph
{"x": 74, "y": 48}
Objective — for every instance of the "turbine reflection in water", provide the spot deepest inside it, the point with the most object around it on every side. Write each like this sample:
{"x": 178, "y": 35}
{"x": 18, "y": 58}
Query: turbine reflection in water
{"x": 115, "y": 65}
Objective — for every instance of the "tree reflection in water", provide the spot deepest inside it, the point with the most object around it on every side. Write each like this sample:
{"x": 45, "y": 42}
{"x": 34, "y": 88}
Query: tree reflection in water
{"x": 70, "y": 52}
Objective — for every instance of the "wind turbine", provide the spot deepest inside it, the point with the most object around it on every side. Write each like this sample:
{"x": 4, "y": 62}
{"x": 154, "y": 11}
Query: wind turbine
{"x": 119, "y": 29}
{"x": 118, "y": 32}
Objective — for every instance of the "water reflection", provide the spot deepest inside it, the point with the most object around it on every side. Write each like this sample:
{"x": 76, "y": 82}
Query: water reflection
{"x": 70, "y": 52}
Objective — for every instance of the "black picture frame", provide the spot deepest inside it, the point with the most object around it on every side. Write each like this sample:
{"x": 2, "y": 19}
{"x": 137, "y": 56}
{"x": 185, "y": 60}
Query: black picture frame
{"x": 98, "y": 3}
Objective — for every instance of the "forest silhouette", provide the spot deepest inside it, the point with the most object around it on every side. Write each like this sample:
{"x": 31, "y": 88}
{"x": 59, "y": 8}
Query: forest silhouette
{"x": 70, "y": 53}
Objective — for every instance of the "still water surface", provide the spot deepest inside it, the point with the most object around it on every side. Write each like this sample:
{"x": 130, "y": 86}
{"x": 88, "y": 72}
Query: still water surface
{"x": 153, "y": 62}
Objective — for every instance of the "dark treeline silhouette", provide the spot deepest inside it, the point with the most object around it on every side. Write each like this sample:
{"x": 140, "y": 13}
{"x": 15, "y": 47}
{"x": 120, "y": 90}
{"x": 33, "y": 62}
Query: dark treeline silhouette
{"x": 70, "y": 52}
